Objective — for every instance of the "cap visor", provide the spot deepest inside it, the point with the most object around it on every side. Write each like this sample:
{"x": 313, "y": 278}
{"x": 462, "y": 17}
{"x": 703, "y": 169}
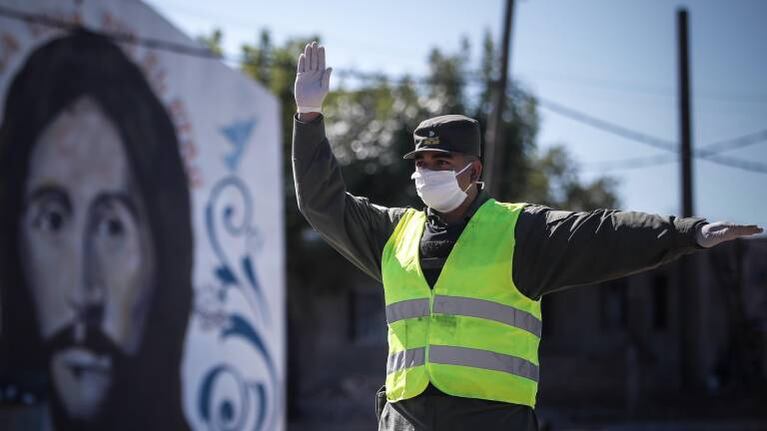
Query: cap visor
{"x": 412, "y": 154}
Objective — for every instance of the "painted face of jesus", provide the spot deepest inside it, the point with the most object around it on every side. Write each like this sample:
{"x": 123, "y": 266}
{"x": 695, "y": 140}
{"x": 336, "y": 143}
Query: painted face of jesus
{"x": 87, "y": 255}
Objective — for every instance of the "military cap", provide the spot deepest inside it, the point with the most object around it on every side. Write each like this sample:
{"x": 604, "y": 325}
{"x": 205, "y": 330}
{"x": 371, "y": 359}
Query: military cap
{"x": 446, "y": 134}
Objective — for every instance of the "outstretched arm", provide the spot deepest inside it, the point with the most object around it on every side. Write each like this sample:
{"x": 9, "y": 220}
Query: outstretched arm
{"x": 558, "y": 249}
{"x": 350, "y": 224}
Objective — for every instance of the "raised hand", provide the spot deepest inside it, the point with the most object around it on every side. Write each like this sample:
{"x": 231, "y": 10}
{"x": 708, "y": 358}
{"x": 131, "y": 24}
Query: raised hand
{"x": 312, "y": 79}
{"x": 712, "y": 234}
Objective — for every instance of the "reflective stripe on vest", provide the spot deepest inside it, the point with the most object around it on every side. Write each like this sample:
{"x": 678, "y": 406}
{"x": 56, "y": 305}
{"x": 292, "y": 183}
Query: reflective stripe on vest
{"x": 407, "y": 309}
{"x": 405, "y": 359}
{"x": 488, "y": 310}
{"x": 460, "y": 306}
{"x": 464, "y": 356}
{"x": 485, "y": 359}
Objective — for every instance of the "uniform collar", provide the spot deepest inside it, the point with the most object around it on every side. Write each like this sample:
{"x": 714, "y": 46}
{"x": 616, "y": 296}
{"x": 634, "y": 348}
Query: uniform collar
{"x": 479, "y": 200}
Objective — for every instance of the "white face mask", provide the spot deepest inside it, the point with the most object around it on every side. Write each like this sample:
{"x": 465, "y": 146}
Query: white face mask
{"x": 439, "y": 190}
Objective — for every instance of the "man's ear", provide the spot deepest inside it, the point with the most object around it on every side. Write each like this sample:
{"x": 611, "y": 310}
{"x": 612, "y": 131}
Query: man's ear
{"x": 476, "y": 170}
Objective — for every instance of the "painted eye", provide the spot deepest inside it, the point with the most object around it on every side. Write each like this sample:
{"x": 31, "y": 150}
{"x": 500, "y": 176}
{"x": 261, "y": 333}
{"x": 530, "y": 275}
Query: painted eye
{"x": 50, "y": 221}
{"x": 112, "y": 221}
{"x": 111, "y": 226}
{"x": 50, "y": 217}
{"x": 115, "y": 227}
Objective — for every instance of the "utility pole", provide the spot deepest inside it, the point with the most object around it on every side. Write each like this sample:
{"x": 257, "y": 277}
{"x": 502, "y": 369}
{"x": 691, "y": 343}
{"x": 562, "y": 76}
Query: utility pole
{"x": 684, "y": 110}
{"x": 687, "y": 302}
{"x": 494, "y": 148}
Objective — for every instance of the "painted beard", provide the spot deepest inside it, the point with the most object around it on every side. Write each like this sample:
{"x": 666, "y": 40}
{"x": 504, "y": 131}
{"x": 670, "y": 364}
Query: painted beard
{"x": 85, "y": 375}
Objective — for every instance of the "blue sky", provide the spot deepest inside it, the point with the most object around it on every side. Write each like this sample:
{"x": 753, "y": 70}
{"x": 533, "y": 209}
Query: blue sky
{"x": 612, "y": 59}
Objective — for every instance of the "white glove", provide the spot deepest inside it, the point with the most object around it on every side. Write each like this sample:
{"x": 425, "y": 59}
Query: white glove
{"x": 711, "y": 234}
{"x": 312, "y": 79}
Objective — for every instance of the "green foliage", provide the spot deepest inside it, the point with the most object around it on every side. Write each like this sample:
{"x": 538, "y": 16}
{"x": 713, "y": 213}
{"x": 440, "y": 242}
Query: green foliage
{"x": 370, "y": 127}
{"x": 370, "y": 130}
{"x": 554, "y": 181}
{"x": 213, "y": 42}
{"x": 308, "y": 258}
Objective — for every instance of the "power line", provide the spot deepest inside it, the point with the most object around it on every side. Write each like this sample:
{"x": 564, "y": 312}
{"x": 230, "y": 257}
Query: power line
{"x": 731, "y": 144}
{"x": 640, "y": 88}
{"x": 662, "y": 159}
{"x": 606, "y": 126}
{"x": 631, "y": 163}
{"x": 710, "y": 153}
{"x": 165, "y": 45}
{"x": 249, "y": 24}
{"x": 745, "y": 165}
{"x": 610, "y": 84}
{"x": 175, "y": 47}
{"x": 707, "y": 152}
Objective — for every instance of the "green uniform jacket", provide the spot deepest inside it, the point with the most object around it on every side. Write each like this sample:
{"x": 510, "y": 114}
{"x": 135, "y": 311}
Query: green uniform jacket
{"x": 554, "y": 249}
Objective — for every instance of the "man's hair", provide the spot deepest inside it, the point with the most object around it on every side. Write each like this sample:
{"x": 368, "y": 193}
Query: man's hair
{"x": 61, "y": 71}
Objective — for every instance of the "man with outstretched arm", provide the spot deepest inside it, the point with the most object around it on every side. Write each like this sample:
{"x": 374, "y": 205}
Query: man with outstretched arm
{"x": 463, "y": 278}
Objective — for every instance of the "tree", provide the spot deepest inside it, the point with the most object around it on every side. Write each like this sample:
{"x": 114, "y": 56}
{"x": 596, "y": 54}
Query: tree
{"x": 554, "y": 181}
{"x": 213, "y": 42}
{"x": 372, "y": 127}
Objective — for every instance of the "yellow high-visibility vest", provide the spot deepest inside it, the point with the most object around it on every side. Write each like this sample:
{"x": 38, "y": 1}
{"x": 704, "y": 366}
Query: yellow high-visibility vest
{"x": 474, "y": 334}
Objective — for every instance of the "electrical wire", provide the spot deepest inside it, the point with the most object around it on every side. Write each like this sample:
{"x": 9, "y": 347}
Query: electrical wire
{"x": 710, "y": 152}
{"x": 631, "y": 163}
{"x": 165, "y": 45}
{"x": 731, "y": 144}
{"x": 746, "y": 165}
{"x": 609, "y": 84}
{"x": 606, "y": 126}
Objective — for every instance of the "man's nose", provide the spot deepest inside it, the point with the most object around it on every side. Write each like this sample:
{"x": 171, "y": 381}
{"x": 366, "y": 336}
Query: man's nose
{"x": 87, "y": 297}
{"x": 88, "y": 303}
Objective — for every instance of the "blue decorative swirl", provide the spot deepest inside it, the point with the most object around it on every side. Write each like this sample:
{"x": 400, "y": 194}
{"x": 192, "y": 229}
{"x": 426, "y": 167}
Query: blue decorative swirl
{"x": 228, "y": 401}
{"x": 225, "y": 271}
{"x": 239, "y": 327}
{"x": 227, "y": 416}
